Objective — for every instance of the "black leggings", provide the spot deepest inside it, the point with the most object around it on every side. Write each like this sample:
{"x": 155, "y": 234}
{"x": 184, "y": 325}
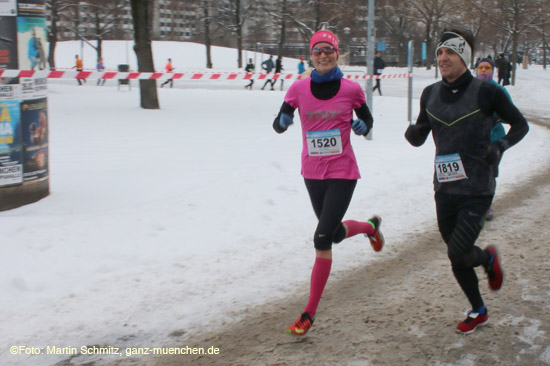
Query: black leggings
{"x": 330, "y": 199}
{"x": 460, "y": 219}
{"x": 377, "y": 86}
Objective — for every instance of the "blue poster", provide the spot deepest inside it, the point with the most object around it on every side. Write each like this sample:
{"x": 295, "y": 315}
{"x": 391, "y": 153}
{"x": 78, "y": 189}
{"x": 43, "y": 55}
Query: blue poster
{"x": 423, "y": 50}
{"x": 11, "y": 169}
{"x": 380, "y": 45}
{"x": 34, "y": 125}
{"x": 31, "y": 37}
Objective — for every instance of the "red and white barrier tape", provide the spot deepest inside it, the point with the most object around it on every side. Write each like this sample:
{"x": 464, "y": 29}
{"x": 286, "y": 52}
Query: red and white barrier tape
{"x": 57, "y": 74}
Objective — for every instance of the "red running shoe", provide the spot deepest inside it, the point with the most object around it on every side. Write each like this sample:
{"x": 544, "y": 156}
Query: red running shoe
{"x": 376, "y": 239}
{"x": 301, "y": 325}
{"x": 472, "y": 321}
{"x": 494, "y": 271}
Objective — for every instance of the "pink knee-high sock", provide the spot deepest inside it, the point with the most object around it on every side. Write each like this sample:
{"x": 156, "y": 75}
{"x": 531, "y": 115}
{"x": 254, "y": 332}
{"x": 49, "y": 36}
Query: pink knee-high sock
{"x": 319, "y": 278}
{"x": 356, "y": 227}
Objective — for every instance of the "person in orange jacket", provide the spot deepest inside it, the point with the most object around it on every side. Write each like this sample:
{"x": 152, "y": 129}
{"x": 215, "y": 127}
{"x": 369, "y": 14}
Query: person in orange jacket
{"x": 168, "y": 69}
{"x": 79, "y": 65}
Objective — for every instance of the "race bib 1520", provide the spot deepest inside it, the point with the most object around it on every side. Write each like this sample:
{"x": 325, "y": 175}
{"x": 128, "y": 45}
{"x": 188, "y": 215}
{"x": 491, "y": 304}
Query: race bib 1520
{"x": 321, "y": 143}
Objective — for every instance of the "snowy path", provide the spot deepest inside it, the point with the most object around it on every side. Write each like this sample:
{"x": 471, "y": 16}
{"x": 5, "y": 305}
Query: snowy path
{"x": 403, "y": 308}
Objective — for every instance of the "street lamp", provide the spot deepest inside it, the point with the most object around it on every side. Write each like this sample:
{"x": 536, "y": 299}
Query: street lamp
{"x": 258, "y": 48}
{"x": 347, "y": 31}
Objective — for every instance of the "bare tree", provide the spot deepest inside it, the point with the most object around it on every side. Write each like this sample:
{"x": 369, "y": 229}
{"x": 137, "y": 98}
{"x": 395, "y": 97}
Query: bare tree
{"x": 54, "y": 8}
{"x": 514, "y": 17}
{"x": 285, "y": 26}
{"x": 141, "y": 10}
{"x": 102, "y": 14}
{"x": 431, "y": 13}
{"x": 234, "y": 15}
{"x": 396, "y": 21}
{"x": 74, "y": 18}
{"x": 541, "y": 25}
{"x": 206, "y": 20}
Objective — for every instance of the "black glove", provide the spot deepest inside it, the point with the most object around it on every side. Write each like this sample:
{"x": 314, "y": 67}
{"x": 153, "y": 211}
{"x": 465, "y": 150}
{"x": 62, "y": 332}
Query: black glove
{"x": 494, "y": 152}
{"x": 413, "y": 136}
{"x": 282, "y": 122}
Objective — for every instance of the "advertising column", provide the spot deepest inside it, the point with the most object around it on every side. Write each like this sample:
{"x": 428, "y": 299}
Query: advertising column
{"x": 24, "y": 146}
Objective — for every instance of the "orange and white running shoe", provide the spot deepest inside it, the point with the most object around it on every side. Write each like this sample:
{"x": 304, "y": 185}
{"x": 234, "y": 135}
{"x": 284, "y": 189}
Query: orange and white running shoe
{"x": 376, "y": 239}
{"x": 301, "y": 325}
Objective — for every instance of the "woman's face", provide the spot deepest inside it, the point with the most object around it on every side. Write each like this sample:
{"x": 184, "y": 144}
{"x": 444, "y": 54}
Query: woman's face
{"x": 323, "y": 61}
{"x": 485, "y": 71}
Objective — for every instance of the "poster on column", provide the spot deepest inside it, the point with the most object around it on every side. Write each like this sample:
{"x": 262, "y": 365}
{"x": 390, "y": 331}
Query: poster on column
{"x": 31, "y": 37}
{"x": 31, "y": 8}
{"x": 34, "y": 125}
{"x": 32, "y": 88}
{"x": 11, "y": 169}
{"x": 8, "y": 43}
{"x": 9, "y": 91}
{"x": 8, "y": 7}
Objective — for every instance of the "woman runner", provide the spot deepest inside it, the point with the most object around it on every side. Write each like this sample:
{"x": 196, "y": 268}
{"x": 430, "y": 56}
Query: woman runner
{"x": 326, "y": 103}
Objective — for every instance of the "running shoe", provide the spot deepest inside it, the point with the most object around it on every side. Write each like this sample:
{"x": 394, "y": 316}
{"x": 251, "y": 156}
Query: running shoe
{"x": 472, "y": 321}
{"x": 376, "y": 239}
{"x": 494, "y": 271}
{"x": 301, "y": 325}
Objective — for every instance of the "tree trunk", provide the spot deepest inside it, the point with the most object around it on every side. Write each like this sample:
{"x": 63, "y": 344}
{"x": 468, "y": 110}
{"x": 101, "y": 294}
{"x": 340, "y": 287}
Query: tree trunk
{"x": 52, "y": 35}
{"x": 99, "y": 48}
{"x": 207, "y": 40}
{"x": 282, "y": 39}
{"x": 239, "y": 33}
{"x": 543, "y": 48}
{"x": 144, "y": 52}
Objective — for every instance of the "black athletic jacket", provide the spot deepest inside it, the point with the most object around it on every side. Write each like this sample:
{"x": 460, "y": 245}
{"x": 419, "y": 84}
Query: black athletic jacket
{"x": 459, "y": 115}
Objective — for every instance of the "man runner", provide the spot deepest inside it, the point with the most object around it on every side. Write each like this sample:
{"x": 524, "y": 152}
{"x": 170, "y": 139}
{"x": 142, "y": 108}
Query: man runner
{"x": 458, "y": 110}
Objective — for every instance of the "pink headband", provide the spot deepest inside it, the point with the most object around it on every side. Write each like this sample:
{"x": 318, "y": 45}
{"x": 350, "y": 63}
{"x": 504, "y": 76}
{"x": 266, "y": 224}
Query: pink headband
{"x": 324, "y": 36}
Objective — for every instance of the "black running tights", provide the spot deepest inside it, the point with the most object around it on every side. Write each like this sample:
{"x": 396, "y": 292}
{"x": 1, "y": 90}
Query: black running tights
{"x": 460, "y": 219}
{"x": 330, "y": 199}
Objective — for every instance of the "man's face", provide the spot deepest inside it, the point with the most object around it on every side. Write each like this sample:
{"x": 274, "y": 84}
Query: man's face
{"x": 450, "y": 64}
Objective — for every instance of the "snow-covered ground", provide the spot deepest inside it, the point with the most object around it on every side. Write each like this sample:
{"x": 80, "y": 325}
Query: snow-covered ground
{"x": 164, "y": 222}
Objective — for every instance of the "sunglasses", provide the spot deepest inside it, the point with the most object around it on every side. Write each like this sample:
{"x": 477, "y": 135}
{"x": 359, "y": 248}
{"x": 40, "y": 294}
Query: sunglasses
{"x": 480, "y": 68}
{"x": 328, "y": 50}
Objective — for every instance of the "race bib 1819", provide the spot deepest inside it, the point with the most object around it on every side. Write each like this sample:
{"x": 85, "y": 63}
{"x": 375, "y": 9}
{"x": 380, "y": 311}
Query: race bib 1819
{"x": 449, "y": 168}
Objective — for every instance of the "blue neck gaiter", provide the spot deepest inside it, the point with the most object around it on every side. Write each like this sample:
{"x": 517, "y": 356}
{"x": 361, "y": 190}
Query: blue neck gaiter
{"x": 333, "y": 74}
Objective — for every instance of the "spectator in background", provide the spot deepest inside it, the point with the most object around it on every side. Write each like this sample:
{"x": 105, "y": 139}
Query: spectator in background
{"x": 379, "y": 66}
{"x": 278, "y": 70}
{"x": 249, "y": 68}
{"x": 485, "y": 70}
{"x": 79, "y": 65}
{"x": 100, "y": 67}
{"x": 267, "y": 66}
{"x": 504, "y": 69}
{"x": 168, "y": 68}
{"x": 301, "y": 67}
